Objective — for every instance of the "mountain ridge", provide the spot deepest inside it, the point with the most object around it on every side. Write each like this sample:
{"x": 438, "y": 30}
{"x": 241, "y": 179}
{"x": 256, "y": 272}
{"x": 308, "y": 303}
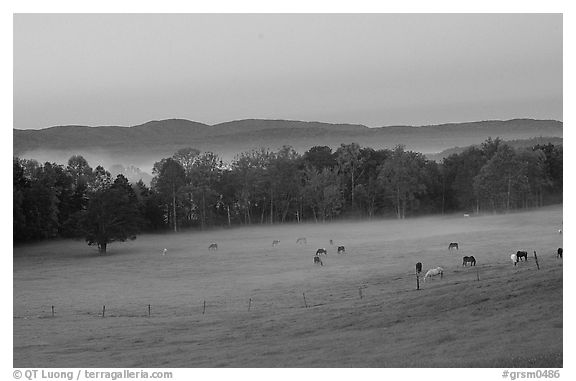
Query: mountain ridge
{"x": 141, "y": 145}
{"x": 236, "y": 121}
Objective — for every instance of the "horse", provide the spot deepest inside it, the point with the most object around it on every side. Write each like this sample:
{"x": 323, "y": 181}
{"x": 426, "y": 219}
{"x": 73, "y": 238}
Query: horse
{"x": 522, "y": 254}
{"x": 418, "y": 268}
{"x": 470, "y": 260}
{"x": 213, "y": 246}
{"x": 321, "y": 252}
{"x": 514, "y": 259}
{"x": 559, "y": 253}
{"x": 164, "y": 251}
{"x": 275, "y": 242}
{"x": 317, "y": 260}
{"x": 452, "y": 245}
{"x": 434, "y": 272}
{"x": 341, "y": 249}
{"x": 301, "y": 240}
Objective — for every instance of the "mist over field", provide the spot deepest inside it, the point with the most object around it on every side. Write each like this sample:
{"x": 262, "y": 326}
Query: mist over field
{"x": 456, "y": 321}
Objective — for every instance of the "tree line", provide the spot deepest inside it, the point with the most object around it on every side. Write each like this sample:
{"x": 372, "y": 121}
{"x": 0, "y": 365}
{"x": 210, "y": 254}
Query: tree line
{"x": 199, "y": 190}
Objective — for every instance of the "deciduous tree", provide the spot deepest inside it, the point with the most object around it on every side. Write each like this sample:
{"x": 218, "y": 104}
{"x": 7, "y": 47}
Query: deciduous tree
{"x": 402, "y": 177}
{"x": 112, "y": 215}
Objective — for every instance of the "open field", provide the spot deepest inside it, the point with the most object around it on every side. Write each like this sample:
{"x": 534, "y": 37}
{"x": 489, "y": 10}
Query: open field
{"x": 511, "y": 317}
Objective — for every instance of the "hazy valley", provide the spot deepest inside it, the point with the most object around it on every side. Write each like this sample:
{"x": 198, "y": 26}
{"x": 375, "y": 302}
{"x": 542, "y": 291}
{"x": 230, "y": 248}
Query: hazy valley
{"x": 142, "y": 145}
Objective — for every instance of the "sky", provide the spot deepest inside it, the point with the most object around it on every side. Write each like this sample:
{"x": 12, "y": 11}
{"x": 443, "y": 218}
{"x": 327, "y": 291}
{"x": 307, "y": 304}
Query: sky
{"x": 371, "y": 69}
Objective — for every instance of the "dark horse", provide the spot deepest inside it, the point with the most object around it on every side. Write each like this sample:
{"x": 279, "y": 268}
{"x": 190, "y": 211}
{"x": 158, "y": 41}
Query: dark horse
{"x": 470, "y": 260}
{"x": 559, "y": 254}
{"x": 453, "y": 244}
{"x": 317, "y": 260}
{"x": 522, "y": 254}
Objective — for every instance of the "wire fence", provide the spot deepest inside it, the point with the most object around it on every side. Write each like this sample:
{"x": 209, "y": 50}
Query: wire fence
{"x": 374, "y": 290}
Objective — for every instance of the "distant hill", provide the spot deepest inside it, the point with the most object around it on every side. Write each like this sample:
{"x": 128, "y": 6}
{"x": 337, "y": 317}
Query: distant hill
{"x": 519, "y": 143}
{"x": 142, "y": 145}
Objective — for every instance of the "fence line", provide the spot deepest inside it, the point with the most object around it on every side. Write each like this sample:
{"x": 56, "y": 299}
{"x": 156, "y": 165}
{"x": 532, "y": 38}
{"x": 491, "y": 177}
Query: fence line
{"x": 258, "y": 301}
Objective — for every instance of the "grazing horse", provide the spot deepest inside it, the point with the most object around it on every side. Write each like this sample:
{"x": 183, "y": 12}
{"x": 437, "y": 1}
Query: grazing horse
{"x": 301, "y": 240}
{"x": 418, "y": 268}
{"x": 434, "y": 272}
{"x": 213, "y": 246}
{"x": 275, "y": 242}
{"x": 514, "y": 259}
{"x": 341, "y": 249}
{"x": 470, "y": 259}
{"x": 317, "y": 260}
{"x": 559, "y": 253}
{"x": 321, "y": 252}
{"x": 452, "y": 245}
{"x": 522, "y": 254}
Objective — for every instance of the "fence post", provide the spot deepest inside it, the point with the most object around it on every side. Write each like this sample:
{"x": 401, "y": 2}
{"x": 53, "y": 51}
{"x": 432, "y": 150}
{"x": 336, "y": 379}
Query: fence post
{"x": 103, "y": 311}
{"x": 477, "y": 274}
{"x": 305, "y": 304}
{"x": 148, "y": 310}
{"x": 360, "y": 291}
{"x": 249, "y": 304}
{"x": 204, "y": 308}
{"x": 536, "y": 258}
{"x": 52, "y": 311}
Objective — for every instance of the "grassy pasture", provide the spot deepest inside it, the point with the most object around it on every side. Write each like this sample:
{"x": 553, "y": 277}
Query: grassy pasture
{"x": 512, "y": 317}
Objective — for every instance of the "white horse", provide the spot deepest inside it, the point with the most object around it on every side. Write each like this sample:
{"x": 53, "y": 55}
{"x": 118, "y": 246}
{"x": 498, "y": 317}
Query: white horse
{"x": 514, "y": 259}
{"x": 164, "y": 251}
{"x": 434, "y": 272}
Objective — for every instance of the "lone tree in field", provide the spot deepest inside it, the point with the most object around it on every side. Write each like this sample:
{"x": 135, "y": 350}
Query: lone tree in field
{"x": 112, "y": 215}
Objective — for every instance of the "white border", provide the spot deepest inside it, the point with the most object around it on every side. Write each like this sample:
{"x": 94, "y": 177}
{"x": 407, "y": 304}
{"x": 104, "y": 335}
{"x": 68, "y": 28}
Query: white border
{"x": 295, "y": 6}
